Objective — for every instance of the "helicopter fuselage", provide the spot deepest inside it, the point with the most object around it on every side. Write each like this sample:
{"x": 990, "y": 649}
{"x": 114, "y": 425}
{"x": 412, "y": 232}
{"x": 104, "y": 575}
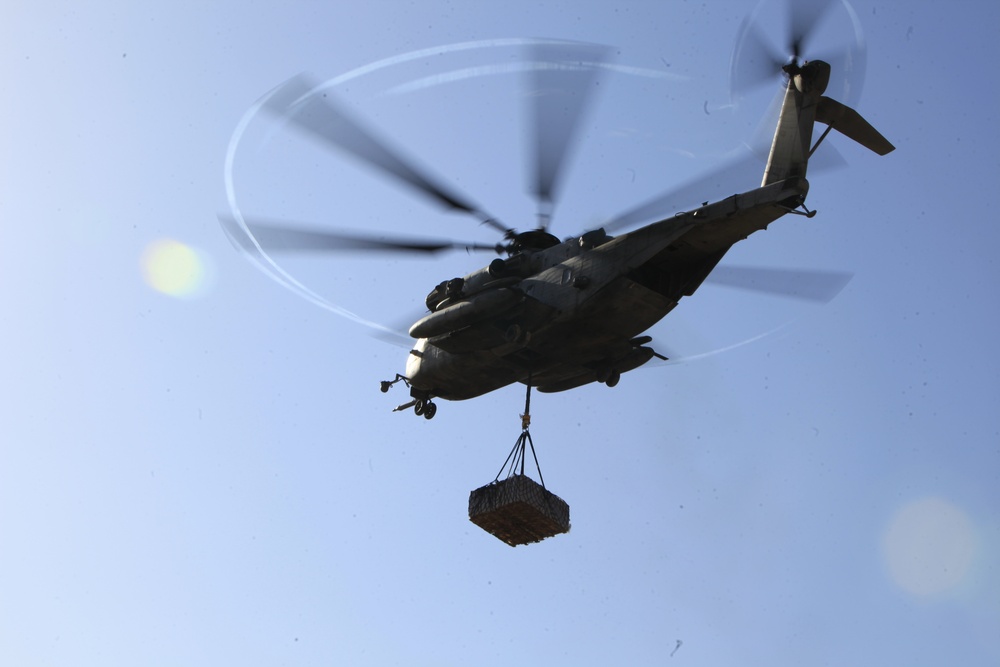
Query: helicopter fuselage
{"x": 571, "y": 314}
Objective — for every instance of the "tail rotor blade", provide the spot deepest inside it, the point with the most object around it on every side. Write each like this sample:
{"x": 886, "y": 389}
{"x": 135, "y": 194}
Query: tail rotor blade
{"x": 847, "y": 71}
{"x": 755, "y": 61}
{"x": 804, "y": 17}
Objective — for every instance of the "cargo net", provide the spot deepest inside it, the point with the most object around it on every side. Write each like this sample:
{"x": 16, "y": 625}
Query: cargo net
{"x": 517, "y": 509}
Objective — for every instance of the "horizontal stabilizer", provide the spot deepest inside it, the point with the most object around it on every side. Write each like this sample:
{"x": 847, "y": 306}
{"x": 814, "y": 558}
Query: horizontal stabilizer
{"x": 849, "y": 122}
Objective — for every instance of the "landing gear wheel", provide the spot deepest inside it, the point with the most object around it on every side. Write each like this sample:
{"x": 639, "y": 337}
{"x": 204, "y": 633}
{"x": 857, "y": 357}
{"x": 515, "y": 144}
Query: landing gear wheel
{"x": 419, "y": 407}
{"x": 613, "y": 378}
{"x": 430, "y": 410}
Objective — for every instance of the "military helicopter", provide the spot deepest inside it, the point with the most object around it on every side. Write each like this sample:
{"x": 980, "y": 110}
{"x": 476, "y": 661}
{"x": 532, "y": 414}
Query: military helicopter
{"x": 558, "y": 314}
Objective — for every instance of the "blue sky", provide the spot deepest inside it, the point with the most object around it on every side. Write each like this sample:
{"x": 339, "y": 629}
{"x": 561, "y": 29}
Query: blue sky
{"x": 197, "y": 467}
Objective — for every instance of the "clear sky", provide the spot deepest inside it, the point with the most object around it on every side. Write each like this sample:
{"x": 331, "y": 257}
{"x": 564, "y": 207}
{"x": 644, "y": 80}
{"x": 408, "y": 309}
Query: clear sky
{"x": 197, "y": 467}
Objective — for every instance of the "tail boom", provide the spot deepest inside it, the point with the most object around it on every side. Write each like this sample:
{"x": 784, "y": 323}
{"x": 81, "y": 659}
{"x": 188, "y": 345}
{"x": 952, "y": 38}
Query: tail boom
{"x": 804, "y": 104}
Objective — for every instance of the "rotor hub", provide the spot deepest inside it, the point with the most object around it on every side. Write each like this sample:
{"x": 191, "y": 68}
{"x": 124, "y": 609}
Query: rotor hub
{"x": 536, "y": 239}
{"x": 810, "y": 77}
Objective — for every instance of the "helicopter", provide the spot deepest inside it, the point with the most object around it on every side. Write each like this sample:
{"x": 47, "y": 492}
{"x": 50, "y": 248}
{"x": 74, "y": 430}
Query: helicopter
{"x": 556, "y": 314}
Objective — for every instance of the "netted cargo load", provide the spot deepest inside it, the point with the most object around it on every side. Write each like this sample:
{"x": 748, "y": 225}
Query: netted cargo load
{"x": 518, "y": 510}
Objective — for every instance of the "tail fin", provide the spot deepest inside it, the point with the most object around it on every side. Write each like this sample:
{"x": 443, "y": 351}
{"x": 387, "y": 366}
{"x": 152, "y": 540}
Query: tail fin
{"x": 849, "y": 122}
{"x": 804, "y": 104}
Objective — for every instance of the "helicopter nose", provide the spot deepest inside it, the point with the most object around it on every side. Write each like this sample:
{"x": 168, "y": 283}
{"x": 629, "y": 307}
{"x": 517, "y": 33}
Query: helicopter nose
{"x": 415, "y": 359}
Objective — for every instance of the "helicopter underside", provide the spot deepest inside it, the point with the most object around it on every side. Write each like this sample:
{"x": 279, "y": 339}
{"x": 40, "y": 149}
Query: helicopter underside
{"x": 598, "y": 344}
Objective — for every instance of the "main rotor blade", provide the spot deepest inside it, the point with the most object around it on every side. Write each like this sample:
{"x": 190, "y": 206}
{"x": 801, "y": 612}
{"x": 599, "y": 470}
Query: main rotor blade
{"x": 276, "y": 237}
{"x": 561, "y": 85}
{"x": 807, "y": 284}
{"x": 733, "y": 177}
{"x": 317, "y": 115}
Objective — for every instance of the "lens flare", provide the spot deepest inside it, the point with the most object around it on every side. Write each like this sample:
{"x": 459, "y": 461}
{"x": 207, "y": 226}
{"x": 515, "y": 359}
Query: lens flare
{"x": 175, "y": 269}
{"x": 929, "y": 547}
